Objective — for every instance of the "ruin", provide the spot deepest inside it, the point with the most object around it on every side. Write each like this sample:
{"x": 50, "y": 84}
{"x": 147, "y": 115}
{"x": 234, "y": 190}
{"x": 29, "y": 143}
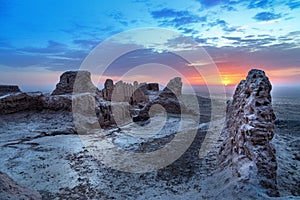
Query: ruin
{"x": 248, "y": 131}
{"x": 75, "y": 82}
{"x": 7, "y": 89}
{"x": 126, "y": 92}
{"x": 108, "y": 89}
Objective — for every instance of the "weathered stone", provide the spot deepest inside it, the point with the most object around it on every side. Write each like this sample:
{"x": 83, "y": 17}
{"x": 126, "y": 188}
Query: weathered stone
{"x": 134, "y": 94}
{"x": 120, "y": 113}
{"x": 174, "y": 87}
{"x": 9, "y": 189}
{"x": 248, "y": 131}
{"x": 142, "y": 114}
{"x": 75, "y": 82}
{"x": 169, "y": 99}
{"x": 153, "y": 87}
{"x": 57, "y": 102}
{"x": 108, "y": 89}
{"x": 149, "y": 88}
{"x": 138, "y": 96}
{"x": 7, "y": 89}
{"x": 105, "y": 117}
{"x": 75, "y": 86}
{"x": 122, "y": 91}
{"x": 144, "y": 88}
{"x": 16, "y": 102}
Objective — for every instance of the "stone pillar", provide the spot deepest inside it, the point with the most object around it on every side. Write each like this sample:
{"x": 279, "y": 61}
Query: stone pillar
{"x": 248, "y": 131}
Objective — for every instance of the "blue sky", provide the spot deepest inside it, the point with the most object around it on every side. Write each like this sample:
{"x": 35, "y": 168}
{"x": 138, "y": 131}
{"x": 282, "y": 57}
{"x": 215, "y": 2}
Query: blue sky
{"x": 40, "y": 39}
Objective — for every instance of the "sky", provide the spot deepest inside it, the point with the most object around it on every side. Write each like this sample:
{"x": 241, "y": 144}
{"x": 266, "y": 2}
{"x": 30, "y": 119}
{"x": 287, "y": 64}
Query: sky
{"x": 41, "y": 39}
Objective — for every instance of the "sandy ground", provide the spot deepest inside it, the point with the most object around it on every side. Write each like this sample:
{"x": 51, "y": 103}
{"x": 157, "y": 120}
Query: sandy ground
{"x": 37, "y": 151}
{"x": 42, "y": 151}
{"x": 287, "y": 144}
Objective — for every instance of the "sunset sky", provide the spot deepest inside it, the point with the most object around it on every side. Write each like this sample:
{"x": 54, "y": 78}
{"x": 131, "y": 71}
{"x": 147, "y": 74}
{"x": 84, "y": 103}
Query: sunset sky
{"x": 41, "y": 39}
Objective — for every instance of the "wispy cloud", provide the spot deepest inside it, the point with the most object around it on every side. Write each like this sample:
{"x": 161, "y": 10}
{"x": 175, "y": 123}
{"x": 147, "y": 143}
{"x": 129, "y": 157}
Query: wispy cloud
{"x": 140, "y": 57}
{"x": 86, "y": 44}
{"x": 119, "y": 17}
{"x": 270, "y": 21}
{"x": 225, "y": 26}
{"x": 171, "y": 17}
{"x": 210, "y": 3}
{"x": 52, "y": 47}
{"x": 55, "y": 56}
{"x": 266, "y": 16}
{"x": 268, "y": 57}
{"x": 293, "y": 4}
{"x": 259, "y": 4}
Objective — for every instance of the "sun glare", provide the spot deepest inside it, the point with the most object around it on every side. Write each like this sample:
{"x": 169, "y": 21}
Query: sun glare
{"x": 226, "y": 81}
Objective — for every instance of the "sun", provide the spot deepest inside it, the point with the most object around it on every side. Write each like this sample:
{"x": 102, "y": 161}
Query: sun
{"x": 226, "y": 81}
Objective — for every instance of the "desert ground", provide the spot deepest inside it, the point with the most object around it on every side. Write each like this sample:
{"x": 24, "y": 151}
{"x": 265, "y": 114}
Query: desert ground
{"x": 41, "y": 150}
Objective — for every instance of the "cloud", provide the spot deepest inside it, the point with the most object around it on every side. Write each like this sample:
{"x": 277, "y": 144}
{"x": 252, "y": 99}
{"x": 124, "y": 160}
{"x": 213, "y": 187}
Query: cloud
{"x": 12, "y": 58}
{"x": 249, "y": 36}
{"x": 259, "y": 4}
{"x": 270, "y": 21}
{"x": 201, "y": 40}
{"x": 139, "y": 57}
{"x": 119, "y": 17}
{"x": 182, "y": 42}
{"x": 52, "y": 47}
{"x": 211, "y": 3}
{"x": 171, "y": 17}
{"x": 270, "y": 57}
{"x": 4, "y": 44}
{"x": 230, "y": 5}
{"x": 188, "y": 30}
{"x": 101, "y": 32}
{"x": 86, "y": 44}
{"x": 293, "y": 4}
{"x": 294, "y": 33}
{"x": 251, "y": 42}
{"x": 266, "y": 16}
{"x": 232, "y": 38}
{"x": 55, "y": 56}
{"x": 168, "y": 13}
{"x": 225, "y": 26}
{"x": 289, "y": 40}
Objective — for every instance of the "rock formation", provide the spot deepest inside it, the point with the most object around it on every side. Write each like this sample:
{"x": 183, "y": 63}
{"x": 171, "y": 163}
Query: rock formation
{"x": 148, "y": 88}
{"x": 16, "y": 102}
{"x": 153, "y": 87}
{"x": 248, "y": 131}
{"x": 138, "y": 97}
{"x": 7, "y": 89}
{"x": 116, "y": 95}
{"x": 57, "y": 102}
{"x": 169, "y": 99}
{"x": 108, "y": 89}
{"x": 9, "y": 189}
{"x": 74, "y": 81}
{"x": 133, "y": 93}
{"x": 60, "y": 99}
{"x": 174, "y": 87}
{"x": 75, "y": 92}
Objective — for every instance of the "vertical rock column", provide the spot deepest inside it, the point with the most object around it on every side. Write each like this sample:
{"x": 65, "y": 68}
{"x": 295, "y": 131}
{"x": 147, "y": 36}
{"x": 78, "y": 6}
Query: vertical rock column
{"x": 248, "y": 131}
{"x": 108, "y": 89}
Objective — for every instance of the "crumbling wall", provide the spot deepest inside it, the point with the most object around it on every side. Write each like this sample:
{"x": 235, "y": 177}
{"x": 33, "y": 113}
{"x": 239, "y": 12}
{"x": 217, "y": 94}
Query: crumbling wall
{"x": 248, "y": 131}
